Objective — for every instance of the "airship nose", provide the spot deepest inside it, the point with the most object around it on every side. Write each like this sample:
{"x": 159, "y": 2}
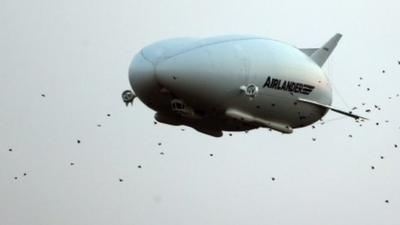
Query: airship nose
{"x": 141, "y": 76}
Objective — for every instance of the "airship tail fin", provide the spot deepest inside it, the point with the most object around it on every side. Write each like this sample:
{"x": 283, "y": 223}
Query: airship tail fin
{"x": 308, "y": 51}
{"x": 323, "y": 53}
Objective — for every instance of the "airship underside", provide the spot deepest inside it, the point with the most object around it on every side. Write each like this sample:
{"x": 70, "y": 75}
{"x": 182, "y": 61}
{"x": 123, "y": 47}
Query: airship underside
{"x": 233, "y": 83}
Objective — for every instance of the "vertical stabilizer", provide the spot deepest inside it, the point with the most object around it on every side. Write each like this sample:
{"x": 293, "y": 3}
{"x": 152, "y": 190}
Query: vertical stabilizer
{"x": 322, "y": 54}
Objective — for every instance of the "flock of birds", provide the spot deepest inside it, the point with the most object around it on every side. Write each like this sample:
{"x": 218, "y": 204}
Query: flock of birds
{"x": 273, "y": 179}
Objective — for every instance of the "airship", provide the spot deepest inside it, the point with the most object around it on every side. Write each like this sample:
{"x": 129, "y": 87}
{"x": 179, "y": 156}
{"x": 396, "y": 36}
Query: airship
{"x": 233, "y": 83}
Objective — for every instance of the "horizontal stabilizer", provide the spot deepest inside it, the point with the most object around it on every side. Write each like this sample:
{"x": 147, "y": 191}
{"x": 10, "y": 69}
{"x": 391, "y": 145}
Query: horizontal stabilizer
{"x": 349, "y": 114}
{"x": 321, "y": 55}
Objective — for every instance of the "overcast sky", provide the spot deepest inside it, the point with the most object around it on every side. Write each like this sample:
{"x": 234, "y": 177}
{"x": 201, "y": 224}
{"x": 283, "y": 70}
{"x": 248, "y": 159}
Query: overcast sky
{"x": 77, "y": 53}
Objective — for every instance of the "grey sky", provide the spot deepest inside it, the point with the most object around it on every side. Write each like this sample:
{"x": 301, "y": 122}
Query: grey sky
{"x": 78, "y": 53}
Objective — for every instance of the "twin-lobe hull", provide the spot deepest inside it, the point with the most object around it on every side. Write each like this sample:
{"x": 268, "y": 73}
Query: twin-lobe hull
{"x": 207, "y": 74}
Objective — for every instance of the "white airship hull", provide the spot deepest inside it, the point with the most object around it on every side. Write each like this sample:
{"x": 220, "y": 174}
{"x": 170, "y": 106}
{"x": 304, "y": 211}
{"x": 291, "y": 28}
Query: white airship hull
{"x": 230, "y": 83}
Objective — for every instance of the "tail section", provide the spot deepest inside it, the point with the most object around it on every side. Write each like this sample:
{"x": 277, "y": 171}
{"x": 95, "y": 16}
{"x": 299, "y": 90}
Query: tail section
{"x": 320, "y": 55}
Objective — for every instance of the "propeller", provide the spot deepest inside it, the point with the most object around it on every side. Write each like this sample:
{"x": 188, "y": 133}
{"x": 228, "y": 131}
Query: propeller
{"x": 128, "y": 96}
